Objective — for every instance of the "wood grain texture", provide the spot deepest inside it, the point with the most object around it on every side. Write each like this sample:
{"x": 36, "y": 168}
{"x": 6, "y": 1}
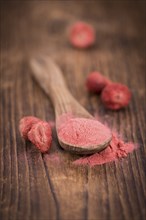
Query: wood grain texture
{"x": 33, "y": 186}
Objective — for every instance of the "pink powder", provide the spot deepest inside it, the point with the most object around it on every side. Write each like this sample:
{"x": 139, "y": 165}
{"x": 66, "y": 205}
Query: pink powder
{"x": 53, "y": 157}
{"x": 83, "y": 132}
{"x": 52, "y": 124}
{"x": 116, "y": 149}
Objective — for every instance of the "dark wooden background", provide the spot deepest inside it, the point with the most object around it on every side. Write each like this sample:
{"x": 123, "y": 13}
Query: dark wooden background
{"x": 34, "y": 187}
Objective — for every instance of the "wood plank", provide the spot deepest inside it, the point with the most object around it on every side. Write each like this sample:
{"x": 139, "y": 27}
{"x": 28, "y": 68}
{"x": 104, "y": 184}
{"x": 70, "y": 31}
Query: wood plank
{"x": 39, "y": 187}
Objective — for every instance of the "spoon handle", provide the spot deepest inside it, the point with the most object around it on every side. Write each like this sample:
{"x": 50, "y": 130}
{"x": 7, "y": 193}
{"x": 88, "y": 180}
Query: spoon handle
{"x": 51, "y": 80}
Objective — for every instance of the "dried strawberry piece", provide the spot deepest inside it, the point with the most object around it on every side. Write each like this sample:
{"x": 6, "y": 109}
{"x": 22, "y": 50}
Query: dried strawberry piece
{"x": 95, "y": 82}
{"x": 26, "y": 124}
{"x": 41, "y": 136}
{"x": 115, "y": 96}
{"x": 82, "y": 35}
{"x": 37, "y": 131}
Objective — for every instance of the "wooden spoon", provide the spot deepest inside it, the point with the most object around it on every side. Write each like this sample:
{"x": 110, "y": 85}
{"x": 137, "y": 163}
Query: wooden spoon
{"x": 51, "y": 80}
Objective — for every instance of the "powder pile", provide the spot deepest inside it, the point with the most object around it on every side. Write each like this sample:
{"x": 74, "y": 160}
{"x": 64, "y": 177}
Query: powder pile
{"x": 83, "y": 132}
{"x": 116, "y": 149}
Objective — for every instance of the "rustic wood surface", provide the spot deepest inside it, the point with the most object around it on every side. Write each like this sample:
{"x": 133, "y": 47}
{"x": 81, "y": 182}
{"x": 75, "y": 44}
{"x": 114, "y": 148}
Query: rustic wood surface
{"x": 43, "y": 187}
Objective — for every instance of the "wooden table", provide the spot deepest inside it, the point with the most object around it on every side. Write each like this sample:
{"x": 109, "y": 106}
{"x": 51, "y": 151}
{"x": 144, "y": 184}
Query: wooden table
{"x": 33, "y": 186}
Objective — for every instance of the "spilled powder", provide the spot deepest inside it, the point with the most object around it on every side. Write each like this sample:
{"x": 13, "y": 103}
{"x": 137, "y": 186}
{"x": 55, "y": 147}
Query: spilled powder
{"x": 53, "y": 157}
{"x": 52, "y": 124}
{"x": 116, "y": 149}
